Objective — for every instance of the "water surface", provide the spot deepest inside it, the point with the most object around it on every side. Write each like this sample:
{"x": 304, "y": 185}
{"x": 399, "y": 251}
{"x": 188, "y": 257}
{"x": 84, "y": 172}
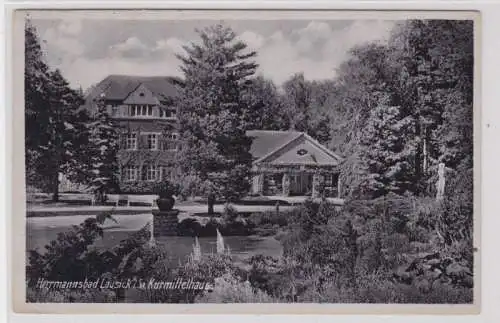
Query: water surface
{"x": 40, "y": 231}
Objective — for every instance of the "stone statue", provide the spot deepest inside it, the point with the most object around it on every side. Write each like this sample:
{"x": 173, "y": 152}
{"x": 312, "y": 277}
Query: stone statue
{"x": 220, "y": 243}
{"x": 152, "y": 241}
{"x": 440, "y": 184}
{"x": 196, "y": 250}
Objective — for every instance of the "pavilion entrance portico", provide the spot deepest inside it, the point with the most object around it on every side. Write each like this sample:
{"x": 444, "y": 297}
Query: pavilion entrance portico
{"x": 301, "y": 183}
{"x": 296, "y": 182}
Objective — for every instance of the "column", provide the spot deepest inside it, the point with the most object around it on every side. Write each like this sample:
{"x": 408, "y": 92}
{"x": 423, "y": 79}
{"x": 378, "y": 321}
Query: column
{"x": 255, "y": 184}
{"x": 286, "y": 184}
{"x": 260, "y": 183}
{"x": 315, "y": 185}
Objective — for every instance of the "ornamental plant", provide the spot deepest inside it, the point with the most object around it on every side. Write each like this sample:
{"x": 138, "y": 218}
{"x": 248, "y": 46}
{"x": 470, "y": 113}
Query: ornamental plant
{"x": 166, "y": 189}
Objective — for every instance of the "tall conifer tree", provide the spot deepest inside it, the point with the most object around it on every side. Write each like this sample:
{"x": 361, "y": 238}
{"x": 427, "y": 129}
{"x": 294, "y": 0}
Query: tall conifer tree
{"x": 102, "y": 150}
{"x": 214, "y": 115}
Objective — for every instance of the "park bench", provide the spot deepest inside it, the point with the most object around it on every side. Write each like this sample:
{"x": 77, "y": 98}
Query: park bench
{"x": 146, "y": 199}
{"x": 116, "y": 198}
{"x": 113, "y": 198}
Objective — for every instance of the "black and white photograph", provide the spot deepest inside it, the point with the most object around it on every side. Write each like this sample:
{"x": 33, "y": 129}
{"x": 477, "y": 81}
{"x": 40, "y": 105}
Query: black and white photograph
{"x": 249, "y": 159}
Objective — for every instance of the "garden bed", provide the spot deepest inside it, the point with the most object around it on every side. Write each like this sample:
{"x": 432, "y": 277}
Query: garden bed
{"x": 249, "y": 200}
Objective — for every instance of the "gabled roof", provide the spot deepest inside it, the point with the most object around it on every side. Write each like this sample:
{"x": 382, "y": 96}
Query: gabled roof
{"x": 281, "y": 147}
{"x": 118, "y": 87}
{"x": 266, "y": 141}
{"x": 142, "y": 95}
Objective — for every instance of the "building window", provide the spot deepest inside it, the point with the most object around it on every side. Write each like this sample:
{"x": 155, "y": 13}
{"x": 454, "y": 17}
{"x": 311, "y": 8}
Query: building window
{"x": 153, "y": 141}
{"x": 165, "y": 172}
{"x": 170, "y": 145}
{"x": 172, "y": 142}
{"x": 152, "y": 173}
{"x": 141, "y": 110}
{"x": 173, "y": 136}
{"x": 130, "y": 173}
{"x": 131, "y": 141}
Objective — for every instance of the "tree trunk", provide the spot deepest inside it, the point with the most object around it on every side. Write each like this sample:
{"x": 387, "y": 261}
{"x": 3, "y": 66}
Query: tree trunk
{"x": 55, "y": 189}
{"x": 101, "y": 197}
{"x": 418, "y": 153}
{"x": 424, "y": 167}
{"x": 211, "y": 202}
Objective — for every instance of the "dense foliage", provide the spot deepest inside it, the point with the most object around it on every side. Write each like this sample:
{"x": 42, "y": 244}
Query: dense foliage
{"x": 404, "y": 107}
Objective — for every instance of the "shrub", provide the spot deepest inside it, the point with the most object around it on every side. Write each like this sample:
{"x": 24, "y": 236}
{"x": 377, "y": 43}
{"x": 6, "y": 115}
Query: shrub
{"x": 267, "y": 223}
{"x": 189, "y": 186}
{"x": 69, "y": 257}
{"x": 37, "y": 295}
{"x": 230, "y": 289}
{"x": 155, "y": 268}
{"x": 230, "y": 213}
{"x": 270, "y": 275}
{"x": 210, "y": 228}
{"x": 269, "y": 217}
{"x": 189, "y": 227}
{"x": 192, "y": 227}
{"x": 456, "y": 222}
{"x": 166, "y": 189}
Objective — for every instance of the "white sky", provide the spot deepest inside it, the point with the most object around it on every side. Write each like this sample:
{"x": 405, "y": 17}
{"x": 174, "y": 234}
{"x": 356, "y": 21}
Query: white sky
{"x": 86, "y": 51}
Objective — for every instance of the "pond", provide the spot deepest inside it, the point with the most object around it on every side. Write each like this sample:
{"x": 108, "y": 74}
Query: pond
{"x": 40, "y": 231}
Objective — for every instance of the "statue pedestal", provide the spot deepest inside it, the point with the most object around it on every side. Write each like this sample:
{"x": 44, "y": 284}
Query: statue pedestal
{"x": 165, "y": 223}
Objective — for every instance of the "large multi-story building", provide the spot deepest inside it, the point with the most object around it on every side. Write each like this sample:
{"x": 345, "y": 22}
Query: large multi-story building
{"x": 285, "y": 162}
{"x": 145, "y": 112}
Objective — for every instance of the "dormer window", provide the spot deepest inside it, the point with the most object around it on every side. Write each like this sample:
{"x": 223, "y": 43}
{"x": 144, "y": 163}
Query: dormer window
{"x": 141, "y": 94}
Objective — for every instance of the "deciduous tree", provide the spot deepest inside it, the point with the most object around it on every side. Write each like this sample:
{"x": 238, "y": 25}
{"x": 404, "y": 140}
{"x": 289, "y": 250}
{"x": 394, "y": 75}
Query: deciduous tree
{"x": 267, "y": 106}
{"x": 54, "y": 121}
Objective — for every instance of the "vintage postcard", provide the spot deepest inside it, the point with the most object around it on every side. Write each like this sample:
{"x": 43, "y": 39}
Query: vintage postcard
{"x": 313, "y": 162}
